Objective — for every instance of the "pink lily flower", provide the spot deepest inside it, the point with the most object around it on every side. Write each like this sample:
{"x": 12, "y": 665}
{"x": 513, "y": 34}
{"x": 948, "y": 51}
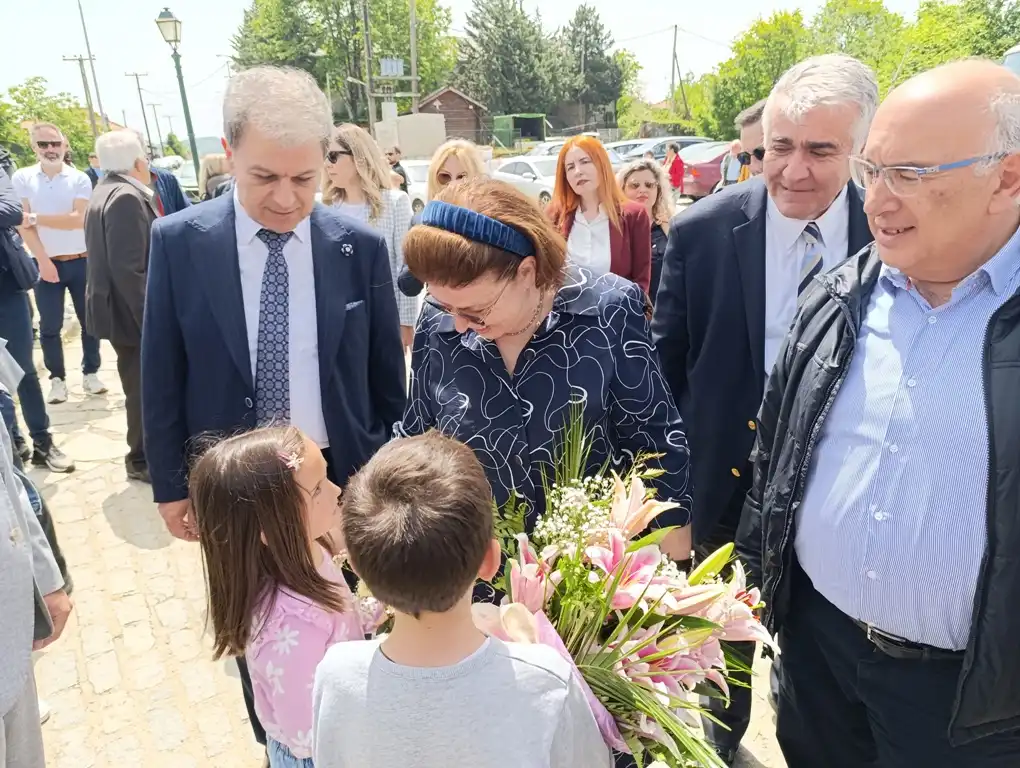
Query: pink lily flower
{"x": 734, "y": 614}
{"x": 631, "y": 512}
{"x": 638, "y": 580}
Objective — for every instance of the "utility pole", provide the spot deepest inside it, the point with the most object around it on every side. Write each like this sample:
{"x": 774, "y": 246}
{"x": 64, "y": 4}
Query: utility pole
{"x": 414, "y": 57}
{"x": 92, "y": 65}
{"x": 369, "y": 83}
{"x": 170, "y": 120}
{"x": 141, "y": 101}
{"x": 672, "y": 72}
{"x": 123, "y": 114}
{"x": 88, "y": 93}
{"x": 159, "y": 134}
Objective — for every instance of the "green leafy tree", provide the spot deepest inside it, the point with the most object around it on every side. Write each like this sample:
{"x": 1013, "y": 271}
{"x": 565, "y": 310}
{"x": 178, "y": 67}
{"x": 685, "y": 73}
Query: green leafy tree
{"x": 943, "y": 32}
{"x": 760, "y": 56}
{"x": 174, "y": 146}
{"x": 864, "y": 29}
{"x": 631, "y": 110}
{"x": 999, "y": 27}
{"x": 600, "y": 80}
{"x": 281, "y": 32}
{"x": 437, "y": 49}
{"x": 31, "y": 102}
{"x": 508, "y": 63}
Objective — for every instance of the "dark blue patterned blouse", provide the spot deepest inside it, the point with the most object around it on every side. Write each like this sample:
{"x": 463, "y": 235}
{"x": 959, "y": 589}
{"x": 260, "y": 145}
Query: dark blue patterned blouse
{"x": 593, "y": 348}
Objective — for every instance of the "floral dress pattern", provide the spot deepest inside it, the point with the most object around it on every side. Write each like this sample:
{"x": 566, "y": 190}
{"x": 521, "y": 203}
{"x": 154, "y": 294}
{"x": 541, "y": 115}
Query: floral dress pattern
{"x": 289, "y": 642}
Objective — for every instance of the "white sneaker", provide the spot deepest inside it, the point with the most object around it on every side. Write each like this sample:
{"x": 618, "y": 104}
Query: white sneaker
{"x": 44, "y": 711}
{"x": 58, "y": 391}
{"x": 92, "y": 385}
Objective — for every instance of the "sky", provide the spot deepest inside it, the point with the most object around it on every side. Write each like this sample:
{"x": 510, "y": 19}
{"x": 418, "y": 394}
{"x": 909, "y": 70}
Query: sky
{"x": 124, "y": 38}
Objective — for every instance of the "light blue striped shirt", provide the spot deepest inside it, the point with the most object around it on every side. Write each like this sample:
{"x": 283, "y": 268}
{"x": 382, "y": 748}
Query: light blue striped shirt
{"x": 891, "y": 529}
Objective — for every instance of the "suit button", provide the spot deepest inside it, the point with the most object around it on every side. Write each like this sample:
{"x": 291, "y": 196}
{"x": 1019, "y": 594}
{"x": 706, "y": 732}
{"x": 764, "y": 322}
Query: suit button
{"x": 248, "y": 402}
{"x": 751, "y": 425}
{"x": 735, "y": 472}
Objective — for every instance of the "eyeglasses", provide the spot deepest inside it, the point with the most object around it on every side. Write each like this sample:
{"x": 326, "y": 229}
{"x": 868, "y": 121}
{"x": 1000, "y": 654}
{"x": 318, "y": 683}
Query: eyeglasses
{"x": 49, "y": 144}
{"x": 905, "y": 180}
{"x": 445, "y": 178}
{"x": 478, "y": 319}
{"x": 744, "y": 158}
{"x": 336, "y": 154}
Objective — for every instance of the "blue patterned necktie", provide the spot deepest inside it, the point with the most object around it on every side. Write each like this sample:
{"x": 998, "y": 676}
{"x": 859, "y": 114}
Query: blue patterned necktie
{"x": 272, "y": 363}
{"x": 812, "y": 263}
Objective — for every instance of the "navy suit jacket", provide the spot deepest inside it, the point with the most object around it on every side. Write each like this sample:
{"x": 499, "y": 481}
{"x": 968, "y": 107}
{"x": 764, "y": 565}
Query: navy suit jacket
{"x": 196, "y": 369}
{"x": 709, "y": 328}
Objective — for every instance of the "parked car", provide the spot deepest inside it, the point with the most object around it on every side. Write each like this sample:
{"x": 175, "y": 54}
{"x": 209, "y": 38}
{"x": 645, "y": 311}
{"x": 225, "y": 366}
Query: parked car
{"x": 417, "y": 182}
{"x": 658, "y": 146}
{"x": 552, "y": 147}
{"x": 702, "y": 169}
{"x": 622, "y": 148}
{"x": 615, "y": 159}
{"x": 534, "y": 176}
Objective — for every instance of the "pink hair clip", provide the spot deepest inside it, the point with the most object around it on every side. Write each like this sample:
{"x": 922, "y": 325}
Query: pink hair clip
{"x": 291, "y": 460}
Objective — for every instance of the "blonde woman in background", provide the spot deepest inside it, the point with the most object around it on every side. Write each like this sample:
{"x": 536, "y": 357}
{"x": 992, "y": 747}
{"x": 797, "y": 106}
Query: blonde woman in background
{"x": 214, "y": 170}
{"x": 645, "y": 182}
{"x": 456, "y": 160}
{"x": 357, "y": 182}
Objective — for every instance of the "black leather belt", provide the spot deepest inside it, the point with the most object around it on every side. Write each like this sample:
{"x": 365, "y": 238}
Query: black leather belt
{"x": 900, "y": 648}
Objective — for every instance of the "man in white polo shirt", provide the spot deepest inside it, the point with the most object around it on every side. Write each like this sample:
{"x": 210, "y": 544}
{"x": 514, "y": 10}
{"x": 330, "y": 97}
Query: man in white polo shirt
{"x": 54, "y": 196}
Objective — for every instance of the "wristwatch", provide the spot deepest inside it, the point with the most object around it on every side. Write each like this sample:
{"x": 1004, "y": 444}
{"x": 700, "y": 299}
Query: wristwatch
{"x": 31, "y": 219}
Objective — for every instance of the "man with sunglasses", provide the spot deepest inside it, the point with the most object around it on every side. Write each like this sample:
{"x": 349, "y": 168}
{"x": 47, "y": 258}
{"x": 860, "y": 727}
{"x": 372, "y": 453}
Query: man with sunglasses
{"x": 734, "y": 267}
{"x": 882, "y": 523}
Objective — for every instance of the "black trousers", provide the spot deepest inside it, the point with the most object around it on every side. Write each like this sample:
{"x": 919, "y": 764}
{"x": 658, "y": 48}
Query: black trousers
{"x": 845, "y": 704}
{"x": 242, "y": 664}
{"x": 129, "y": 368}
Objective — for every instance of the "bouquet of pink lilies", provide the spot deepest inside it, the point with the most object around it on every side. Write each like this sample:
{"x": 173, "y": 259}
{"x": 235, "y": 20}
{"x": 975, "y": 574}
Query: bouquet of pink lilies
{"x": 642, "y": 635}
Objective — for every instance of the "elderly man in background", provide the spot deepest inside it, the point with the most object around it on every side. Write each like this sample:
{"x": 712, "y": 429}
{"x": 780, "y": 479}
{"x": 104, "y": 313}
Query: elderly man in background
{"x": 883, "y": 520}
{"x": 735, "y": 267}
{"x": 117, "y": 226}
{"x": 35, "y": 609}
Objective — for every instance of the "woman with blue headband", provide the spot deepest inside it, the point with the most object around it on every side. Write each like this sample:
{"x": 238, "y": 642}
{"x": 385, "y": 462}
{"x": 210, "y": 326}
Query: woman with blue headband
{"x": 511, "y": 337}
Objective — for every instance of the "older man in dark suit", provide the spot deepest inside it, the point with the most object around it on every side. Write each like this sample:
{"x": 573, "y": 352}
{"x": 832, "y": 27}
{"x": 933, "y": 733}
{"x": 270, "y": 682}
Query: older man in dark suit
{"x": 223, "y": 273}
{"x": 118, "y": 221}
{"x": 732, "y": 274}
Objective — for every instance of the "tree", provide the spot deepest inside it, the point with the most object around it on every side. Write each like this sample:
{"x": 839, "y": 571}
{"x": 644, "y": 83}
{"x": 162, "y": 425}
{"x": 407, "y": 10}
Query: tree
{"x": 760, "y": 57}
{"x": 943, "y": 32}
{"x": 864, "y": 29}
{"x": 280, "y": 32}
{"x": 174, "y": 146}
{"x": 999, "y": 27}
{"x": 31, "y": 102}
{"x": 589, "y": 43}
{"x": 437, "y": 49}
{"x": 508, "y": 63}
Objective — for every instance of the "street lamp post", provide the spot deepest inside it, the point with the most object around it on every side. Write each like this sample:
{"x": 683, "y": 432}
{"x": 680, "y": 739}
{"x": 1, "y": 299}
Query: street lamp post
{"x": 170, "y": 28}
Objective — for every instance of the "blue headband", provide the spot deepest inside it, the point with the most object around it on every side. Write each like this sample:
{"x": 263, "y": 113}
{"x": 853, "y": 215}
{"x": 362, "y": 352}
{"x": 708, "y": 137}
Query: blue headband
{"x": 476, "y": 226}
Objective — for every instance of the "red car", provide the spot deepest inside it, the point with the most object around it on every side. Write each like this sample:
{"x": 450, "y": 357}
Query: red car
{"x": 702, "y": 170}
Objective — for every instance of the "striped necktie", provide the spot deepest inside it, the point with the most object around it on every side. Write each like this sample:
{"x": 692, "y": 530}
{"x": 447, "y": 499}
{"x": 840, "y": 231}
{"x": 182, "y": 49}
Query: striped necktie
{"x": 812, "y": 263}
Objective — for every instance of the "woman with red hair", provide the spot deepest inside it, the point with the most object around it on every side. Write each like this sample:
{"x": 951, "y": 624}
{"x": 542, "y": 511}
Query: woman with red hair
{"x": 605, "y": 232}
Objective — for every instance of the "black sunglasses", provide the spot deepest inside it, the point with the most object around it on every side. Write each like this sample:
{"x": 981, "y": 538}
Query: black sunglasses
{"x": 336, "y": 154}
{"x": 744, "y": 158}
{"x": 48, "y": 144}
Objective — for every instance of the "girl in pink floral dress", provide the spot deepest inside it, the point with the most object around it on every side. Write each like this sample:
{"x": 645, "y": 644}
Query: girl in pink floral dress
{"x": 266, "y": 513}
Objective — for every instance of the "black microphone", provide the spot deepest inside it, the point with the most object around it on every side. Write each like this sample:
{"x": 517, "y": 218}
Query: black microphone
{"x": 408, "y": 284}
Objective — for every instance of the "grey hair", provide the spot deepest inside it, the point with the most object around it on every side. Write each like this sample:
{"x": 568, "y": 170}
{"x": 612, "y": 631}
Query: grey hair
{"x": 36, "y": 127}
{"x": 827, "y": 80}
{"x": 284, "y": 103}
{"x": 750, "y": 116}
{"x": 1005, "y": 108}
{"x": 118, "y": 151}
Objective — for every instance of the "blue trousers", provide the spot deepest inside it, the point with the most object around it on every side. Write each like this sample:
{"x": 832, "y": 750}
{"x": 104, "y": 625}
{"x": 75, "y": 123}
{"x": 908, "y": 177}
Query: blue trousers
{"x": 49, "y": 298}
{"x": 281, "y": 757}
{"x": 16, "y": 327}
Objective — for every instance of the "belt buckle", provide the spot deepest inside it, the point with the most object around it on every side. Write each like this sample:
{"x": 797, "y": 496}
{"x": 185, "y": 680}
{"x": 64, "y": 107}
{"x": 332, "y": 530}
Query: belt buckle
{"x": 868, "y": 633}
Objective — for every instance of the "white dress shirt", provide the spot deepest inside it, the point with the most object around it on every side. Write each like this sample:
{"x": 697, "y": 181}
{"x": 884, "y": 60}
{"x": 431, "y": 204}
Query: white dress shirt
{"x": 252, "y": 253}
{"x": 588, "y": 244}
{"x": 54, "y": 197}
{"x": 785, "y": 248}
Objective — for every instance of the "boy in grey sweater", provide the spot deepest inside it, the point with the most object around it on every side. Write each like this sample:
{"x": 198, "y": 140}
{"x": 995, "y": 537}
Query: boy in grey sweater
{"x": 436, "y": 692}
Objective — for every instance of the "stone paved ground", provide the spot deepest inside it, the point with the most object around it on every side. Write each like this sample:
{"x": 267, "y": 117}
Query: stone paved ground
{"x": 131, "y": 682}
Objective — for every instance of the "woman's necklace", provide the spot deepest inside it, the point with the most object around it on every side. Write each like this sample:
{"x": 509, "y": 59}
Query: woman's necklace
{"x": 534, "y": 317}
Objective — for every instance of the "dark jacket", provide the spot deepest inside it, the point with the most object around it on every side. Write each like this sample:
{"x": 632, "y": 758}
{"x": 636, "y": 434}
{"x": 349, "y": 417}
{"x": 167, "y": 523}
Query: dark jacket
{"x": 169, "y": 190}
{"x": 118, "y": 221}
{"x": 808, "y": 373}
{"x": 399, "y": 169}
{"x": 630, "y": 244}
{"x": 709, "y": 328}
{"x": 93, "y": 176}
{"x": 11, "y": 214}
{"x": 196, "y": 368}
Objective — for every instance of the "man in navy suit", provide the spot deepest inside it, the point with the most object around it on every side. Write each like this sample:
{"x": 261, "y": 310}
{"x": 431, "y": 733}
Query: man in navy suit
{"x": 731, "y": 276}
{"x": 264, "y": 306}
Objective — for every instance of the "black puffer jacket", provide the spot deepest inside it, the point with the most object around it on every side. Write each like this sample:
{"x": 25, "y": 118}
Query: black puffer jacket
{"x": 808, "y": 374}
